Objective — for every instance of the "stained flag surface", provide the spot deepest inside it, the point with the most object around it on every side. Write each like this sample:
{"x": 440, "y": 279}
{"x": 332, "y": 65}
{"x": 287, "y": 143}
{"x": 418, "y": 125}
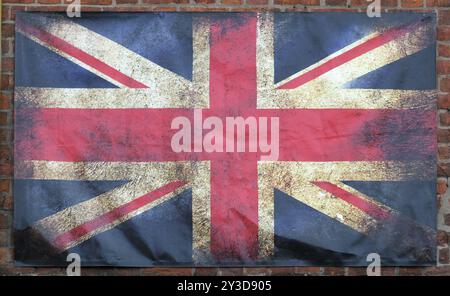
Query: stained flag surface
{"x": 146, "y": 139}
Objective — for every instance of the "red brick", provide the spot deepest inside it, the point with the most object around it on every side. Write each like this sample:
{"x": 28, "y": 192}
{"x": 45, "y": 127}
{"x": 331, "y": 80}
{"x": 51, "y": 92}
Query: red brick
{"x": 447, "y": 219}
{"x": 205, "y": 1}
{"x": 334, "y": 271}
{"x": 444, "y": 17}
{"x": 356, "y": 271}
{"x": 445, "y": 118}
{"x": 124, "y": 271}
{"x": 5, "y": 153}
{"x": 5, "y": 238}
{"x": 5, "y": 169}
{"x": 336, "y": 2}
{"x": 444, "y": 256}
{"x": 126, "y": 1}
{"x": 443, "y": 135}
{"x": 5, "y": 220}
{"x": 442, "y": 238}
{"x": 443, "y": 170}
{"x": 94, "y": 271}
{"x": 17, "y": 271}
{"x": 206, "y": 271}
{"x": 167, "y": 271}
{"x": 6, "y": 202}
{"x": 282, "y": 271}
{"x": 389, "y": 3}
{"x": 298, "y": 8}
{"x": 231, "y": 271}
{"x": 437, "y": 270}
{"x": 49, "y": 1}
{"x": 256, "y": 271}
{"x": 53, "y": 271}
{"x": 232, "y": 2}
{"x": 5, "y": 13}
{"x": 89, "y": 2}
{"x": 444, "y": 152}
{"x": 257, "y": 2}
{"x": 388, "y": 271}
{"x": 3, "y": 118}
{"x": 5, "y": 185}
{"x": 410, "y": 271}
{"x": 5, "y": 47}
{"x": 411, "y": 3}
{"x": 106, "y": 271}
{"x": 4, "y": 135}
{"x": 444, "y": 85}
{"x": 443, "y": 67}
{"x": 5, "y": 104}
{"x": 308, "y": 270}
{"x": 438, "y": 3}
{"x": 444, "y": 99}
{"x": 7, "y": 81}
{"x": 6, "y": 255}
{"x": 443, "y": 33}
{"x": 384, "y": 3}
{"x": 58, "y": 8}
{"x": 6, "y": 95}
{"x": 7, "y": 64}
{"x": 165, "y": 1}
{"x": 444, "y": 50}
{"x": 297, "y": 2}
{"x": 17, "y": 1}
{"x": 5, "y": 100}
{"x": 7, "y": 30}
{"x": 441, "y": 186}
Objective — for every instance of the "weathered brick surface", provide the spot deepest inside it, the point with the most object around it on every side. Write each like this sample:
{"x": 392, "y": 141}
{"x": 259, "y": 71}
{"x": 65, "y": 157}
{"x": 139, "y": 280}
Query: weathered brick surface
{"x": 168, "y": 271}
{"x": 408, "y": 271}
{"x": 438, "y": 3}
{"x": 444, "y": 86}
{"x": 443, "y": 255}
{"x": 9, "y": 10}
{"x": 441, "y": 186}
{"x": 227, "y": 271}
{"x": 412, "y": 3}
{"x": 336, "y": 2}
{"x": 444, "y": 50}
{"x": 307, "y": 270}
{"x": 333, "y": 271}
{"x": 384, "y": 3}
{"x": 442, "y": 238}
{"x": 443, "y": 33}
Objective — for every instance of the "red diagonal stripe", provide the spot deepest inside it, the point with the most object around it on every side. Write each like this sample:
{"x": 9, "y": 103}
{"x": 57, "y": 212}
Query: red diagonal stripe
{"x": 80, "y": 55}
{"x": 362, "y": 204}
{"x": 349, "y": 55}
{"x": 74, "y": 234}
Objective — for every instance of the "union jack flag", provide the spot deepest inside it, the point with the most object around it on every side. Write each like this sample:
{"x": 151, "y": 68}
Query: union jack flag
{"x": 95, "y": 172}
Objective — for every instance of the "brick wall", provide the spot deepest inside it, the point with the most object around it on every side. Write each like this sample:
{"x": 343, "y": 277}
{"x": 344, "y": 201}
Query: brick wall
{"x": 9, "y": 9}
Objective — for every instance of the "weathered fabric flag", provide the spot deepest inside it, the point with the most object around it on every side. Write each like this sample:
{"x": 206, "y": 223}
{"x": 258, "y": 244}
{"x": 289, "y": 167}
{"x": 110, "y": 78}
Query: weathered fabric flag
{"x": 225, "y": 139}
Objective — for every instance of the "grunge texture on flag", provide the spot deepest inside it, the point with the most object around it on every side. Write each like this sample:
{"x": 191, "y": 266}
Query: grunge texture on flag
{"x": 346, "y": 101}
